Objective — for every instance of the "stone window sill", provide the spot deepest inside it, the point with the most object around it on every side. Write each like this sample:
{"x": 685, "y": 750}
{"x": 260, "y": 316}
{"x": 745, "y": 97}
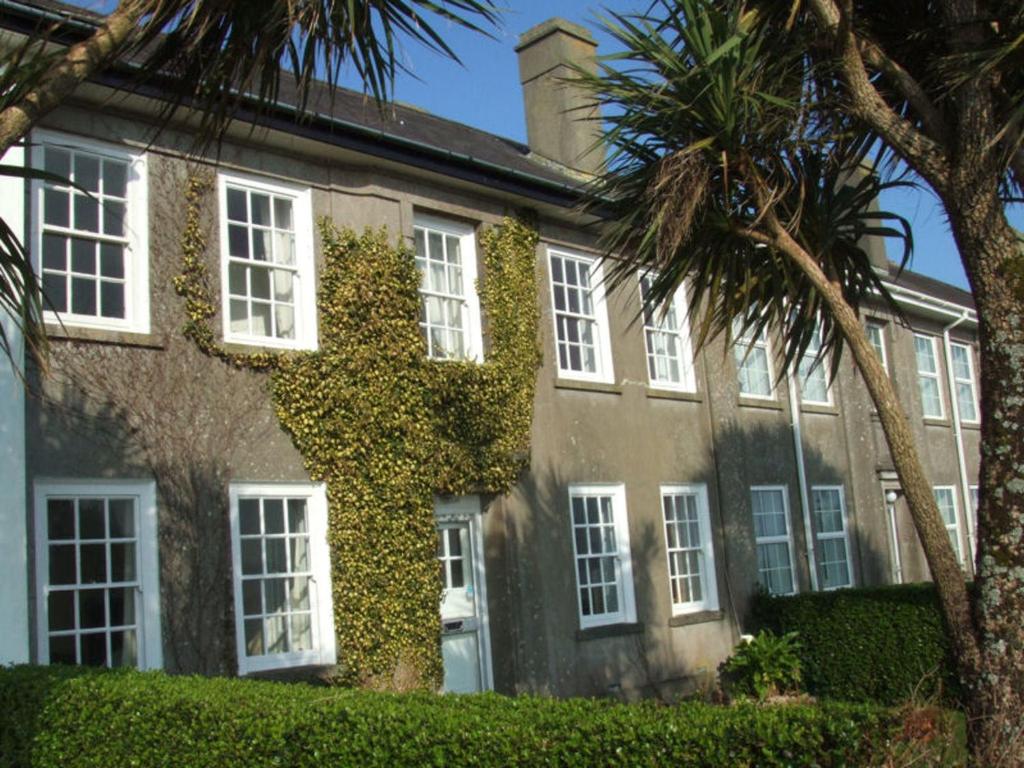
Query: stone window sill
{"x": 756, "y": 402}
{"x": 610, "y": 630}
{"x": 672, "y": 394}
{"x": 588, "y": 386}
{"x": 824, "y": 410}
{"x": 104, "y": 336}
{"x": 698, "y": 617}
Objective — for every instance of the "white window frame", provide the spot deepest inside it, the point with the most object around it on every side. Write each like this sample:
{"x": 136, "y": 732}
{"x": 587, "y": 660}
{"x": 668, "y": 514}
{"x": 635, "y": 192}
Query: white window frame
{"x": 687, "y": 379}
{"x": 624, "y": 561}
{"x": 844, "y": 535}
{"x": 787, "y": 538}
{"x": 708, "y": 574}
{"x": 875, "y": 325}
{"x": 954, "y": 527}
{"x": 743, "y": 344}
{"x": 605, "y": 372}
{"x": 325, "y": 652}
{"x": 970, "y": 382}
{"x": 473, "y": 333}
{"x": 150, "y": 641}
{"x": 814, "y": 360}
{"x": 305, "y": 263}
{"x": 934, "y": 375}
{"x": 136, "y": 298}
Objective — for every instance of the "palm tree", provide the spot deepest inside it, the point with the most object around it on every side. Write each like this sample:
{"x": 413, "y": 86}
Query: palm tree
{"x": 215, "y": 57}
{"x": 737, "y": 164}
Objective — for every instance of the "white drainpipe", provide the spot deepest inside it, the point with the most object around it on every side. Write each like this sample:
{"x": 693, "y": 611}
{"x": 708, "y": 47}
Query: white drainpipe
{"x": 897, "y": 562}
{"x": 958, "y": 436}
{"x": 801, "y": 474}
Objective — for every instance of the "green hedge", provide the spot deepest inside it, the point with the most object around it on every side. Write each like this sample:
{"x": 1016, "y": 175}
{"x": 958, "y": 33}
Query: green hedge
{"x": 70, "y": 718}
{"x": 883, "y": 644}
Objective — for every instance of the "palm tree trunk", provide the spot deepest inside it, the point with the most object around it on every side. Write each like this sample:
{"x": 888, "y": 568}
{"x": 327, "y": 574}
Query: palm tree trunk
{"x": 79, "y": 62}
{"x": 993, "y": 257}
{"x": 949, "y": 579}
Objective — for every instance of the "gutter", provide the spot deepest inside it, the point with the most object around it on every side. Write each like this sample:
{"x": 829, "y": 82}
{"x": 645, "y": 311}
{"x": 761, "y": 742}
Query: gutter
{"x": 958, "y": 439}
{"x": 801, "y": 473}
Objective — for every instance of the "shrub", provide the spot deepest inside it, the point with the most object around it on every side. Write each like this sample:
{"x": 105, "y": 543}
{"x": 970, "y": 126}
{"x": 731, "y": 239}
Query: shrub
{"x": 74, "y": 718}
{"x": 767, "y": 665}
{"x": 881, "y": 644}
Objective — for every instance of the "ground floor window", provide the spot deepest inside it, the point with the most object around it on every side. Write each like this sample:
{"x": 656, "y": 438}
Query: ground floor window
{"x": 604, "y": 570}
{"x": 830, "y": 530}
{"x": 283, "y": 609}
{"x": 945, "y": 498}
{"x": 774, "y": 539}
{"x": 691, "y": 555}
{"x": 97, "y": 574}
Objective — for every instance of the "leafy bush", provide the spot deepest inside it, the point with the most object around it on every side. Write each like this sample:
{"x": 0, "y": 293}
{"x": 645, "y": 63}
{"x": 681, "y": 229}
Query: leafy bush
{"x": 73, "y": 718}
{"x": 880, "y": 644}
{"x": 767, "y": 665}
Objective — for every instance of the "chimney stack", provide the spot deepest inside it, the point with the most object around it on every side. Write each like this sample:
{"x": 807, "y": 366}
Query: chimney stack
{"x": 561, "y": 117}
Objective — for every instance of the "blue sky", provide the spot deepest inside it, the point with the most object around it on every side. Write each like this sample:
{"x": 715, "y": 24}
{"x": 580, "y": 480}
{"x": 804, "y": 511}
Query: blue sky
{"x": 484, "y": 92}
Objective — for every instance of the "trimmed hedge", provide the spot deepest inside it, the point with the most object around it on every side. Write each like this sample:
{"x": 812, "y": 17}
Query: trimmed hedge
{"x": 70, "y": 718}
{"x": 881, "y": 644}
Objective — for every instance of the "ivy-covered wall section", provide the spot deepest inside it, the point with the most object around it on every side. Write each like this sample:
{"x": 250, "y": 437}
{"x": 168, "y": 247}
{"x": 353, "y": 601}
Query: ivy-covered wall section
{"x": 387, "y": 429}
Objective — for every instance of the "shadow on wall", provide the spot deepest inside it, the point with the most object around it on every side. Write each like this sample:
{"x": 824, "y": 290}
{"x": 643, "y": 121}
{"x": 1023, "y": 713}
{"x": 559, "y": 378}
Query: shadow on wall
{"x": 176, "y": 416}
{"x": 551, "y": 654}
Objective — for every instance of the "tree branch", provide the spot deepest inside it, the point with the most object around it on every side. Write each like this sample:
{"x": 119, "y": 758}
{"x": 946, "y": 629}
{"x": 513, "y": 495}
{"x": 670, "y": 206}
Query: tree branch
{"x": 79, "y": 62}
{"x": 908, "y": 86}
{"x": 923, "y": 153}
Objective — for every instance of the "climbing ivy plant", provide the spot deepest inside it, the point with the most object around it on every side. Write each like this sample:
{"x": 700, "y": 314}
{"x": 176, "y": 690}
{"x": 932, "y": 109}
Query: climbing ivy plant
{"x": 387, "y": 429}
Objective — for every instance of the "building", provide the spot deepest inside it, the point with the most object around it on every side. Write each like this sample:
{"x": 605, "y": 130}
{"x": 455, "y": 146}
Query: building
{"x": 662, "y": 487}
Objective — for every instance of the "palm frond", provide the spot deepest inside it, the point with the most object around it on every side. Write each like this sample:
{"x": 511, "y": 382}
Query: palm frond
{"x": 711, "y": 120}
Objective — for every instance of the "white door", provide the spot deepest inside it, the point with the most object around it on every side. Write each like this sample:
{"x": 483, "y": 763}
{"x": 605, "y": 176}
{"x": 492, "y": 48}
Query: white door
{"x": 464, "y": 641}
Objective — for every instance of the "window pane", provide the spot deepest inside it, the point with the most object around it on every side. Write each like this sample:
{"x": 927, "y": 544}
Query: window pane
{"x": 63, "y": 564}
{"x": 273, "y": 516}
{"x": 94, "y": 563}
{"x": 60, "y": 610}
{"x": 94, "y": 649}
{"x": 56, "y": 205}
{"x": 60, "y": 516}
{"x": 122, "y": 562}
{"x": 236, "y": 205}
{"x": 55, "y": 291}
{"x": 87, "y": 172}
{"x": 124, "y": 650}
{"x": 83, "y": 296}
{"x": 91, "y": 521}
{"x": 115, "y": 178}
{"x": 55, "y": 252}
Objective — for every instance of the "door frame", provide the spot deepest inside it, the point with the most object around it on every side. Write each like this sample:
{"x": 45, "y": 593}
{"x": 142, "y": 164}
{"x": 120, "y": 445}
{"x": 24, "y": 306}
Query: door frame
{"x": 468, "y": 509}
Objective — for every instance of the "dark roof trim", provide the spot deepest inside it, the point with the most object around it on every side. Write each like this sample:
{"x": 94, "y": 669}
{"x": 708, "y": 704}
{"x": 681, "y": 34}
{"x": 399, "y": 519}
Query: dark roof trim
{"x": 331, "y": 130}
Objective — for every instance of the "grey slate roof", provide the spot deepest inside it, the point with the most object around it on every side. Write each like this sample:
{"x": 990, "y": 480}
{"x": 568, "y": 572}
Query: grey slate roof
{"x": 345, "y": 108}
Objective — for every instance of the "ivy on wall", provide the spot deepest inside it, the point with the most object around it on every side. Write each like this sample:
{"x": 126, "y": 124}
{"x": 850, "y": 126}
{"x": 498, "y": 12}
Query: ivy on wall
{"x": 387, "y": 429}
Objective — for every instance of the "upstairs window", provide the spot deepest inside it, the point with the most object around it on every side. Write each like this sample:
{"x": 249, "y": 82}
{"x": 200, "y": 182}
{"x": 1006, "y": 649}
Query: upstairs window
{"x": 667, "y": 339}
{"x": 928, "y": 376}
{"x": 814, "y": 388}
{"x": 753, "y": 362}
{"x": 581, "y": 320}
{"x": 876, "y": 336}
{"x": 267, "y": 247}
{"x": 91, "y": 234}
{"x": 449, "y": 306}
{"x": 963, "y": 378}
